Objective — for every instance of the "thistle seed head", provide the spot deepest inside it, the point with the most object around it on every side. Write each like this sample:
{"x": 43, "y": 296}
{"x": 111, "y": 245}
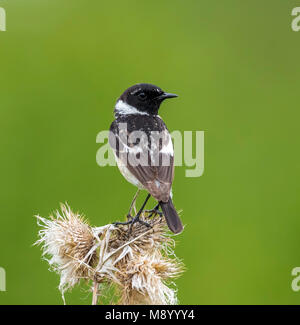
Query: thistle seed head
{"x": 141, "y": 264}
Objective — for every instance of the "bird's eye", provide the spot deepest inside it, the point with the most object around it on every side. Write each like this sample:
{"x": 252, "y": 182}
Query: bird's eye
{"x": 142, "y": 96}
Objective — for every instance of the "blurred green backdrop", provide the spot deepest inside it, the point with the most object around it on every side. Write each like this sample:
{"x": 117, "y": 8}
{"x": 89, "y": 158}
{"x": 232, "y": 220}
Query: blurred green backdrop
{"x": 235, "y": 65}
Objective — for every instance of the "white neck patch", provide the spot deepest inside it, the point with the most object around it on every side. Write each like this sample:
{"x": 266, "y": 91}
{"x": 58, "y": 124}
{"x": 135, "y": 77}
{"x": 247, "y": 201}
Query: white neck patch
{"x": 125, "y": 109}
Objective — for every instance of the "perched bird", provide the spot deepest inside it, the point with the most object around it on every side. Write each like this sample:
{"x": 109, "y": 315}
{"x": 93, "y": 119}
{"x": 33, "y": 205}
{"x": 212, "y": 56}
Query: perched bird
{"x": 143, "y": 149}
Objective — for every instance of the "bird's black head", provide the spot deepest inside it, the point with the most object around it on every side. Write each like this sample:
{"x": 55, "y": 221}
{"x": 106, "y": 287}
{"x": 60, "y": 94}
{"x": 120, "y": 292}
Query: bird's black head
{"x": 146, "y": 98}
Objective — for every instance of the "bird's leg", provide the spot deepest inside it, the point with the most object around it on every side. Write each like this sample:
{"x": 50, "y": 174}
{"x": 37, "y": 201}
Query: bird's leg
{"x": 154, "y": 211}
{"x": 132, "y": 205}
{"x": 136, "y": 218}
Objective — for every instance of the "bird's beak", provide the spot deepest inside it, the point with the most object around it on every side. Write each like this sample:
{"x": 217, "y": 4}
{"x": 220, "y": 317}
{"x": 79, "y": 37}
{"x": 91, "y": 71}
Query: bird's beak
{"x": 166, "y": 96}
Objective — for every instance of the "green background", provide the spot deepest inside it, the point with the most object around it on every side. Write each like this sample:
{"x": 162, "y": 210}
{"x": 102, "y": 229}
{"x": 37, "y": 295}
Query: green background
{"x": 235, "y": 65}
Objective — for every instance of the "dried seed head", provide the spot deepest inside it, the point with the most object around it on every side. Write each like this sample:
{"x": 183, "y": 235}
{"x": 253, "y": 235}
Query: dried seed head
{"x": 139, "y": 263}
{"x": 143, "y": 276}
{"x": 69, "y": 240}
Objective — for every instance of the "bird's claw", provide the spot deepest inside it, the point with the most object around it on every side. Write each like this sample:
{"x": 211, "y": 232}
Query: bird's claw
{"x": 131, "y": 222}
{"x": 154, "y": 211}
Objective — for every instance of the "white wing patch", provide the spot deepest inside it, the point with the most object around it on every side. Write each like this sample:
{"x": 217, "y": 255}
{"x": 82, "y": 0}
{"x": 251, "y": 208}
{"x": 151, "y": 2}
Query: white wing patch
{"x": 168, "y": 149}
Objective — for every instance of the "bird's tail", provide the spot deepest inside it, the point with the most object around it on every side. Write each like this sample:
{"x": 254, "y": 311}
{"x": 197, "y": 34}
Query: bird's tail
{"x": 173, "y": 220}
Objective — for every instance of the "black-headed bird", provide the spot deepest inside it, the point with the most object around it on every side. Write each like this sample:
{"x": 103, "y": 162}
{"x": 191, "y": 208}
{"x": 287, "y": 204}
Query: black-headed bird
{"x": 143, "y": 149}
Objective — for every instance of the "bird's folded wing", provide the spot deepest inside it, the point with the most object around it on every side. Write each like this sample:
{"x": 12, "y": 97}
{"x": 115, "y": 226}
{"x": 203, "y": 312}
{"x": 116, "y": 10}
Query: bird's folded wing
{"x": 156, "y": 177}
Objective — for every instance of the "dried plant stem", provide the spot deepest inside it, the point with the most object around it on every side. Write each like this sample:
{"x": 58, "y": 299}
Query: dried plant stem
{"x": 95, "y": 293}
{"x": 132, "y": 205}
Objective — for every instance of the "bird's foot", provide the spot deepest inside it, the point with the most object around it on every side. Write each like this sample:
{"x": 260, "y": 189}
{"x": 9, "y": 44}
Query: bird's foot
{"x": 118, "y": 223}
{"x": 132, "y": 221}
{"x": 154, "y": 211}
